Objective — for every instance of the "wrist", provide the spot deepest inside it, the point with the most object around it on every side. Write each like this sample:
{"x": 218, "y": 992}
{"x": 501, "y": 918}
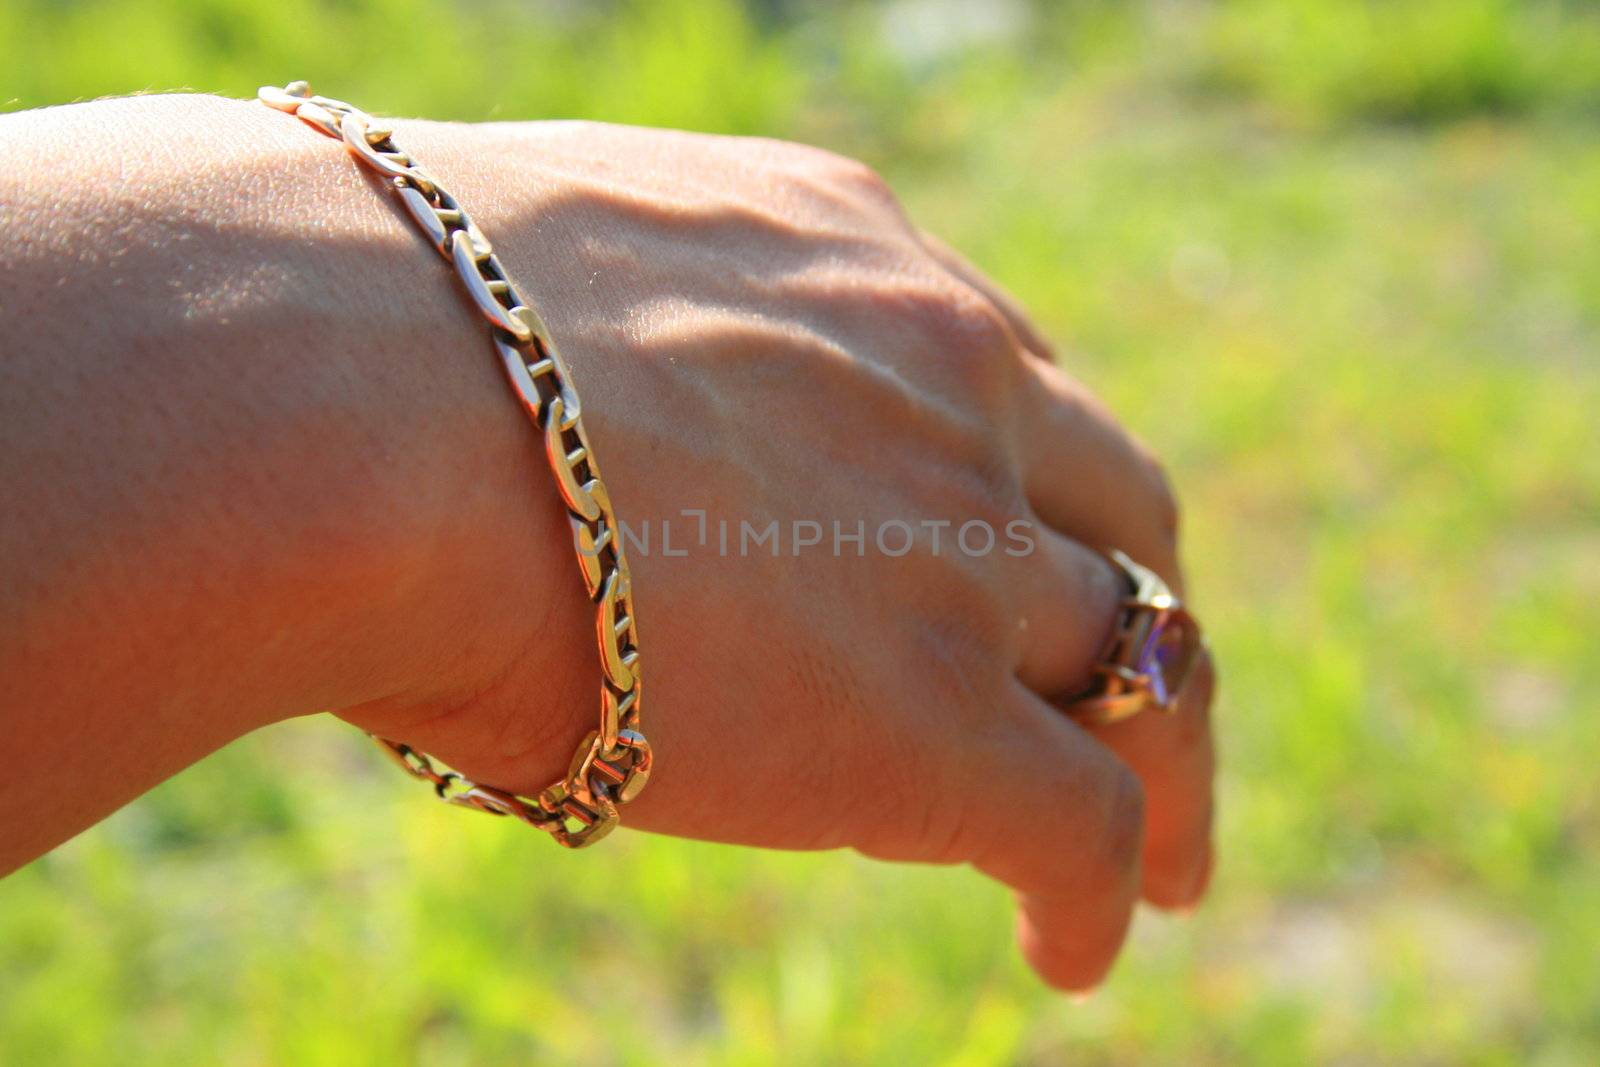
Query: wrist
{"x": 493, "y": 637}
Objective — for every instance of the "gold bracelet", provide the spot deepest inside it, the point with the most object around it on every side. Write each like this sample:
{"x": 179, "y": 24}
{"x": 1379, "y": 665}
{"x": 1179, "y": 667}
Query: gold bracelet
{"x": 613, "y": 762}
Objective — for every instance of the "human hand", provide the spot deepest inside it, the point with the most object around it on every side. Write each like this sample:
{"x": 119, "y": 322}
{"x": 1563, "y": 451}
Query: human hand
{"x": 760, "y": 335}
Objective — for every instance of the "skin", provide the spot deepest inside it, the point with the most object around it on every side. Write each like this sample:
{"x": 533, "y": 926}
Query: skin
{"x": 259, "y": 462}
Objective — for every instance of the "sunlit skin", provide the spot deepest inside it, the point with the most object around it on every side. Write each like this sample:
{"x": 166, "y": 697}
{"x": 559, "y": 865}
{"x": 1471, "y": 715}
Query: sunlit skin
{"x": 258, "y": 462}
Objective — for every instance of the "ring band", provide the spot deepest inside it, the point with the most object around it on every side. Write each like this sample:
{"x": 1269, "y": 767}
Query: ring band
{"x": 1148, "y": 657}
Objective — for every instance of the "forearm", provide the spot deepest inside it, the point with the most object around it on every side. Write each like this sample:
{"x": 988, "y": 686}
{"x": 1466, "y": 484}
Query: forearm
{"x": 255, "y": 459}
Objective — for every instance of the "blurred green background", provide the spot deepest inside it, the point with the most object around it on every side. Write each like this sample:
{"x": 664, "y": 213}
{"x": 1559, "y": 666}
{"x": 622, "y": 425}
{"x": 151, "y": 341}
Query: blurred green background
{"x": 1338, "y": 261}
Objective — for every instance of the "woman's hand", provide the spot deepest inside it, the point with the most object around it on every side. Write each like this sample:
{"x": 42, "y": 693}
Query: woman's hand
{"x": 260, "y": 462}
{"x": 863, "y": 494}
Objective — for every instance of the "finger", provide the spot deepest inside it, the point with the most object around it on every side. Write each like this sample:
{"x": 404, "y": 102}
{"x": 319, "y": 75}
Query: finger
{"x": 1027, "y": 333}
{"x": 1043, "y": 808}
{"x": 1070, "y": 604}
{"x": 1069, "y": 600}
{"x": 1087, "y": 477}
{"x": 1075, "y": 484}
{"x": 1073, "y": 856}
{"x": 1073, "y": 488}
{"x": 1174, "y": 757}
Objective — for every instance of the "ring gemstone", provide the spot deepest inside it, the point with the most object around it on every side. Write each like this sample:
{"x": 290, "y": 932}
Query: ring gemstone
{"x": 1168, "y": 656}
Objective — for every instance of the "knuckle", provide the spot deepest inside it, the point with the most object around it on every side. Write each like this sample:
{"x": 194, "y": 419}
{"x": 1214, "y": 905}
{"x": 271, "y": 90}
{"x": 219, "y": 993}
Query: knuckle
{"x": 959, "y": 313}
{"x": 968, "y": 336}
{"x": 834, "y": 176}
{"x": 1106, "y": 587}
{"x": 851, "y": 174}
{"x": 1162, "y": 495}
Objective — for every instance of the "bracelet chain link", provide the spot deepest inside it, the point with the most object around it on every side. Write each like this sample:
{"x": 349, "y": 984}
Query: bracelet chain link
{"x": 612, "y": 764}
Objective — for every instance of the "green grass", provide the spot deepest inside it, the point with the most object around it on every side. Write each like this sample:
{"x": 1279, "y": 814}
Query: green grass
{"x": 1338, "y": 261}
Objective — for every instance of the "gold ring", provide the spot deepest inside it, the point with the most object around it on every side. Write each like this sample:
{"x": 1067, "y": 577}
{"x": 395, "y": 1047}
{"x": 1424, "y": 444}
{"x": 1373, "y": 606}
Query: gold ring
{"x": 1149, "y": 656}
